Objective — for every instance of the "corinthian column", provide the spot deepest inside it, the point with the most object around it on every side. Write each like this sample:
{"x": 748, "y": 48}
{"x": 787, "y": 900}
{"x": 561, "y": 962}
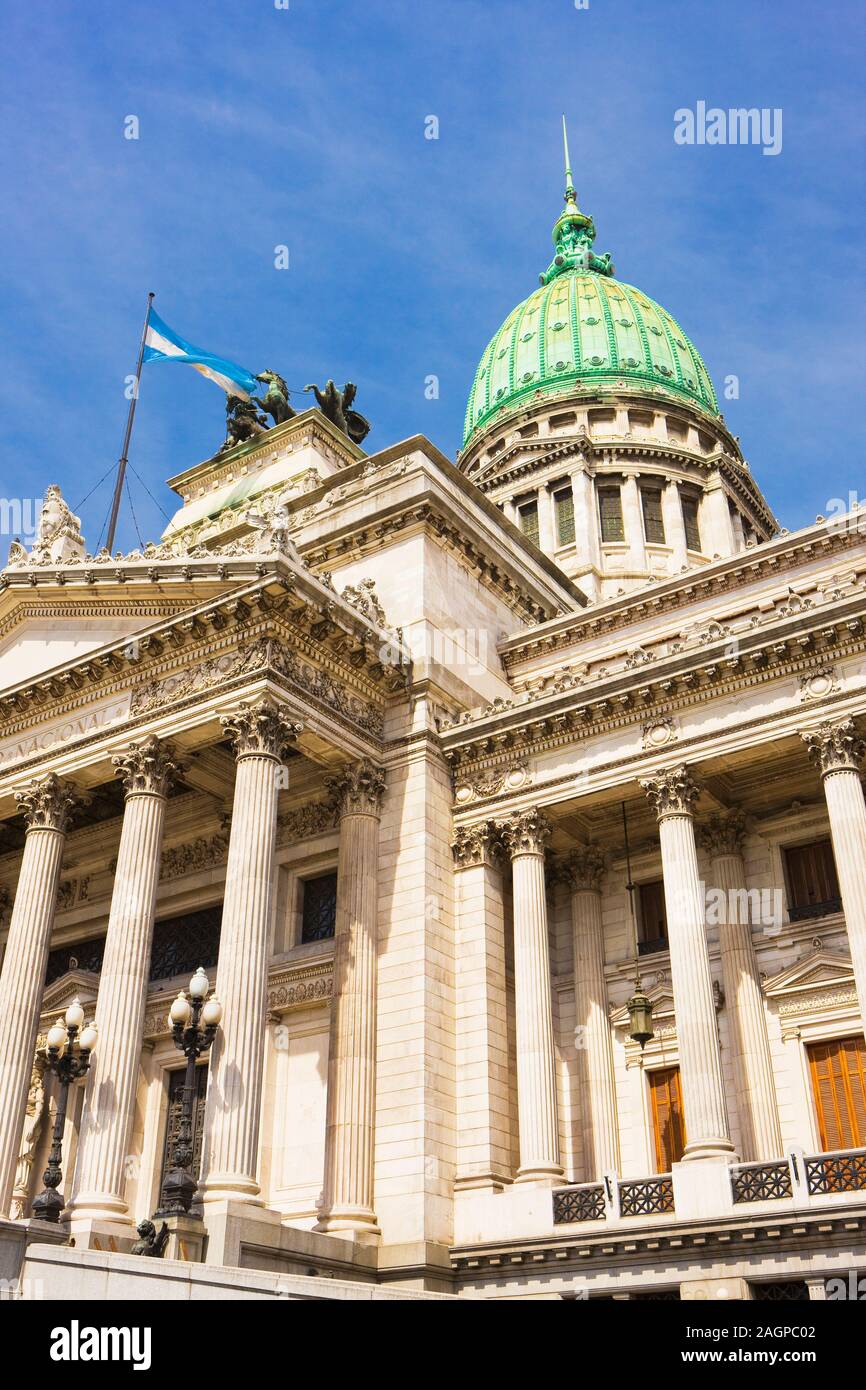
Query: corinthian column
{"x": 483, "y": 1121}
{"x": 147, "y": 770}
{"x": 261, "y": 733}
{"x": 46, "y": 807}
{"x": 347, "y": 1201}
{"x": 838, "y": 751}
{"x": 672, "y": 795}
{"x": 525, "y": 836}
{"x": 583, "y": 870}
{"x": 722, "y": 837}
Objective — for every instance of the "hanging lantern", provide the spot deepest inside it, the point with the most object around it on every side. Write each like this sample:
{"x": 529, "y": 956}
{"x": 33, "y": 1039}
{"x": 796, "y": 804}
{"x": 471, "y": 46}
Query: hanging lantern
{"x": 640, "y": 1015}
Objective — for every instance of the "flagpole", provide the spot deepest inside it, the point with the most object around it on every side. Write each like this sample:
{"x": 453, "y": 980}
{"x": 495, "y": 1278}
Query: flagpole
{"x": 122, "y": 461}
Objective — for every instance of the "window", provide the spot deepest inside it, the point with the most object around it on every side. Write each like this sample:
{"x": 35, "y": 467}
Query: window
{"x": 653, "y": 523}
{"x": 838, "y": 1071}
{"x": 610, "y": 514}
{"x": 563, "y": 503}
{"x": 182, "y": 944}
{"x": 319, "y": 911}
{"x": 690, "y": 522}
{"x": 652, "y": 923}
{"x": 669, "y": 1129}
{"x": 175, "y": 1104}
{"x": 528, "y": 515}
{"x": 813, "y": 889}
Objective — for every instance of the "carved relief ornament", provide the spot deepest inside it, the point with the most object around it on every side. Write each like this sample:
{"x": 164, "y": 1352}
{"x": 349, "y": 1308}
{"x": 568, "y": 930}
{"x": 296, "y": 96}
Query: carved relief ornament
{"x": 49, "y": 804}
{"x": 582, "y": 869}
{"x": 148, "y": 768}
{"x": 526, "y": 832}
{"x": 672, "y": 792}
{"x": 357, "y": 790}
{"x": 476, "y": 845}
{"x": 835, "y": 747}
{"x": 724, "y": 833}
{"x": 263, "y": 730}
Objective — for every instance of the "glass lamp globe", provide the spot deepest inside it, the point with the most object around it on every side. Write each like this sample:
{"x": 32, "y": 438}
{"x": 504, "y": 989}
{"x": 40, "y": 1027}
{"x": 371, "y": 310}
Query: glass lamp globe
{"x": 199, "y": 984}
{"x": 180, "y": 1010}
{"x": 88, "y": 1038}
{"x": 74, "y": 1014}
{"x": 57, "y": 1036}
{"x": 212, "y": 1012}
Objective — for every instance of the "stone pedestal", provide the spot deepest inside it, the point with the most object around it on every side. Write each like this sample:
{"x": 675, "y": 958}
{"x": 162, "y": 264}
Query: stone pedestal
{"x": 838, "y": 752}
{"x": 186, "y": 1238}
{"x": 46, "y": 807}
{"x": 109, "y": 1101}
{"x": 758, "y": 1108}
{"x": 583, "y": 872}
{"x": 483, "y": 1138}
{"x": 525, "y": 836}
{"x": 347, "y": 1200}
{"x": 672, "y": 794}
{"x": 261, "y": 734}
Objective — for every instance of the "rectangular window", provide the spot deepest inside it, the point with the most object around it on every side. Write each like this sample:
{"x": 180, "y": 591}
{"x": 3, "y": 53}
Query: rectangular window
{"x": 319, "y": 909}
{"x": 838, "y": 1072}
{"x": 528, "y": 515}
{"x": 669, "y": 1129}
{"x": 690, "y": 522}
{"x": 563, "y": 502}
{"x": 813, "y": 888}
{"x": 610, "y": 514}
{"x": 653, "y": 523}
{"x": 652, "y": 923}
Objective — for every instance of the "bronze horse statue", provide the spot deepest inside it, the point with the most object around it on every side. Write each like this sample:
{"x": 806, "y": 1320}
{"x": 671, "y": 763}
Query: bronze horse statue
{"x": 336, "y": 406}
{"x": 275, "y": 401}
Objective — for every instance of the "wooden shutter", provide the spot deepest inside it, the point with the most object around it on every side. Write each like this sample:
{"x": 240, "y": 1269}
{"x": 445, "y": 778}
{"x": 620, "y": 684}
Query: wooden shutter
{"x": 838, "y": 1071}
{"x": 812, "y": 880}
{"x": 668, "y": 1121}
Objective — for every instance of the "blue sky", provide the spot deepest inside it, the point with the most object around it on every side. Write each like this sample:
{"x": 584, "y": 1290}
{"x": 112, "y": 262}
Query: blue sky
{"x": 305, "y": 127}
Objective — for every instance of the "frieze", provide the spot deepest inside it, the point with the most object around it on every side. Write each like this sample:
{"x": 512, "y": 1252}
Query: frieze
{"x": 809, "y": 1003}
{"x": 196, "y": 680}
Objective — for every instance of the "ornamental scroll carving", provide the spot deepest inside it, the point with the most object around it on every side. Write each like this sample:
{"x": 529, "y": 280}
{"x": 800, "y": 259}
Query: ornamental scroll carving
{"x": 836, "y": 747}
{"x": 147, "y": 768}
{"x": 357, "y": 790}
{"x": 672, "y": 792}
{"x": 204, "y": 676}
{"x": 49, "y": 804}
{"x": 316, "y": 682}
{"x": 724, "y": 833}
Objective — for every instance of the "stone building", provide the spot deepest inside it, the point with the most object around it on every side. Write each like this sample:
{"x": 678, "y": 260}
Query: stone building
{"x": 363, "y": 736}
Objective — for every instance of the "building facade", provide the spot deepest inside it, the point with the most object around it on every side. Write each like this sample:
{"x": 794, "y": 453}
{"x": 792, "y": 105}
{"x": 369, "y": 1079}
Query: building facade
{"x": 425, "y": 764}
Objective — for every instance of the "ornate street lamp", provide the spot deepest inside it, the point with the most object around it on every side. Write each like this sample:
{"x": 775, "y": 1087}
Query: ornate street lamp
{"x": 179, "y": 1185}
{"x": 68, "y": 1057}
{"x": 640, "y": 1009}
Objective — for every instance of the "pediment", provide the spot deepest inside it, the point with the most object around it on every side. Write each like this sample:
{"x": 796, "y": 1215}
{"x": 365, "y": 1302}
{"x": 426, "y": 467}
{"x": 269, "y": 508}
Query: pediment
{"x": 80, "y": 984}
{"x": 661, "y": 997}
{"x": 822, "y": 970}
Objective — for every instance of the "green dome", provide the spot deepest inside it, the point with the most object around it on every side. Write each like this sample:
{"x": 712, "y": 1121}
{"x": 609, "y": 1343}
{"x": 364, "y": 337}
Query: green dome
{"x": 583, "y": 330}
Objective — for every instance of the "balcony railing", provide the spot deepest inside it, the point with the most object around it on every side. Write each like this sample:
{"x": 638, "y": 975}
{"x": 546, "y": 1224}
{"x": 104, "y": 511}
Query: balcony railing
{"x": 646, "y": 1196}
{"x": 843, "y": 1171}
{"x": 761, "y": 1182}
{"x": 583, "y": 1203}
{"x": 810, "y": 910}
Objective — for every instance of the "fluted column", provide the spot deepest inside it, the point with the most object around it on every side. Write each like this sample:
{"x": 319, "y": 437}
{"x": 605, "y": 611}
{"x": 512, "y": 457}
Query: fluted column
{"x": 147, "y": 770}
{"x": 672, "y": 794}
{"x": 46, "y": 807}
{"x": 261, "y": 734}
{"x": 347, "y": 1201}
{"x": 838, "y": 751}
{"x": 483, "y": 1112}
{"x": 583, "y": 870}
{"x": 525, "y": 836}
{"x": 722, "y": 837}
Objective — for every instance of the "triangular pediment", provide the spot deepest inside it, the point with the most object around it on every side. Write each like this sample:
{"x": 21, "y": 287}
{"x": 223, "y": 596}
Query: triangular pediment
{"x": 80, "y": 984}
{"x": 661, "y": 996}
{"x": 821, "y": 970}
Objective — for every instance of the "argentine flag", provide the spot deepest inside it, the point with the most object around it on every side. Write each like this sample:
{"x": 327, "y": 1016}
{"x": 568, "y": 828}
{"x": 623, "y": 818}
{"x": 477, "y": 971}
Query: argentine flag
{"x": 162, "y": 344}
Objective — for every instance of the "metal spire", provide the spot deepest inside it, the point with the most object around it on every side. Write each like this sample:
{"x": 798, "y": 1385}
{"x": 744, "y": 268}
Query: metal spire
{"x": 570, "y": 194}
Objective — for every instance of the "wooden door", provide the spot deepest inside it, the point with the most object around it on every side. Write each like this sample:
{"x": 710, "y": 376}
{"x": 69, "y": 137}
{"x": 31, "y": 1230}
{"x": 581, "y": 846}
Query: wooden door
{"x": 669, "y": 1127}
{"x": 838, "y": 1072}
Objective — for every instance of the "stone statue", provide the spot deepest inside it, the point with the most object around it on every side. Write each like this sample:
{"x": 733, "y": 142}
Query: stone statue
{"x": 243, "y": 421}
{"x": 58, "y": 535}
{"x": 336, "y": 406}
{"x": 149, "y": 1243}
{"x": 34, "y": 1117}
{"x": 363, "y": 596}
{"x": 275, "y": 401}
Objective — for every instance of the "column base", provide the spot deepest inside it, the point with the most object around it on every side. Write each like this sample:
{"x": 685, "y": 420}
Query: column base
{"x": 228, "y": 1188}
{"x": 482, "y": 1182}
{"x": 721, "y": 1150}
{"x": 350, "y": 1223}
{"x": 541, "y": 1175}
{"x": 97, "y": 1207}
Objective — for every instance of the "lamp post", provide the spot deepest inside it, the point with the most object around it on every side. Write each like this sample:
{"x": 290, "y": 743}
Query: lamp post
{"x": 68, "y": 1057}
{"x": 179, "y": 1184}
{"x": 639, "y": 1006}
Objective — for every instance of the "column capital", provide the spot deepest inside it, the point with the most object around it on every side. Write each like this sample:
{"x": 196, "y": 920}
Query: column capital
{"x": 835, "y": 747}
{"x": 671, "y": 792}
{"x": 724, "y": 833}
{"x": 357, "y": 789}
{"x": 263, "y": 729}
{"x": 476, "y": 845}
{"x": 147, "y": 768}
{"x": 49, "y": 804}
{"x": 582, "y": 868}
{"x": 526, "y": 832}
